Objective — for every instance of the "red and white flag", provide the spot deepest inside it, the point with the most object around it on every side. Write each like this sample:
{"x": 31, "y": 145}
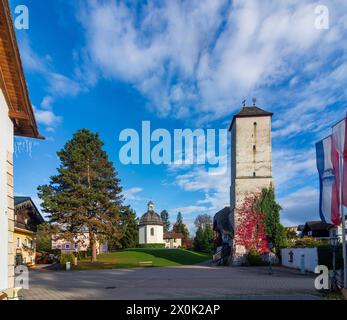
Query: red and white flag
{"x": 328, "y": 168}
{"x": 340, "y": 144}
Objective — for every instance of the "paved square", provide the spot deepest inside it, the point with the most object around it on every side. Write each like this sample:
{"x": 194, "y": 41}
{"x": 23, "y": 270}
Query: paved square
{"x": 189, "y": 282}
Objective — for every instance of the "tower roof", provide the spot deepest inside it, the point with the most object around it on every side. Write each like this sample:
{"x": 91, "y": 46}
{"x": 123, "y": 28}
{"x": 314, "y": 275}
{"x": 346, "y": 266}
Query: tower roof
{"x": 150, "y": 217}
{"x": 247, "y": 112}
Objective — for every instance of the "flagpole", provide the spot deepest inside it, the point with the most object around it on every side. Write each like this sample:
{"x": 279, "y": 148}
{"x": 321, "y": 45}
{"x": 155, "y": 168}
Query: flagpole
{"x": 343, "y": 226}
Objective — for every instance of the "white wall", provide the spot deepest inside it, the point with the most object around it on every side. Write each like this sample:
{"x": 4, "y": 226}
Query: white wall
{"x": 142, "y": 235}
{"x": 310, "y": 254}
{"x": 172, "y": 244}
{"x": 6, "y": 145}
{"x": 145, "y": 236}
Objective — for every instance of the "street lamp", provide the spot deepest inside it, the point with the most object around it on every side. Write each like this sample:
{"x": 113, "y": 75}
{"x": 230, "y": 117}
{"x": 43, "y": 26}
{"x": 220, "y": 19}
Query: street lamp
{"x": 334, "y": 241}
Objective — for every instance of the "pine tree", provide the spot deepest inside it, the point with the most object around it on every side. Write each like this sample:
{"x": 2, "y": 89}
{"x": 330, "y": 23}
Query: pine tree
{"x": 44, "y": 238}
{"x": 129, "y": 227}
{"x": 179, "y": 219}
{"x": 85, "y": 194}
{"x": 180, "y": 227}
{"x": 165, "y": 218}
{"x": 203, "y": 240}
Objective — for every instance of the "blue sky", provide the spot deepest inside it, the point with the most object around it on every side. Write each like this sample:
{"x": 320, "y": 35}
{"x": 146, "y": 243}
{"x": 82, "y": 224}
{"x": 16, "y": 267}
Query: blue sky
{"x": 108, "y": 65}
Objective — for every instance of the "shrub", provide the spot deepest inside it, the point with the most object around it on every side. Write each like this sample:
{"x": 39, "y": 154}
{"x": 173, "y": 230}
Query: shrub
{"x": 308, "y": 242}
{"x": 325, "y": 256}
{"x": 67, "y": 257}
{"x": 203, "y": 241}
{"x": 152, "y": 245}
{"x": 80, "y": 255}
{"x": 253, "y": 258}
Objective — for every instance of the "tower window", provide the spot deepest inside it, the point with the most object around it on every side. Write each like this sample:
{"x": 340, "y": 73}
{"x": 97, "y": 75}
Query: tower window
{"x": 254, "y": 147}
{"x": 152, "y": 231}
{"x": 255, "y": 124}
{"x": 254, "y": 174}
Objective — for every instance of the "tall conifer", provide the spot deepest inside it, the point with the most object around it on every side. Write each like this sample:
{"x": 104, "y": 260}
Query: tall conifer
{"x": 85, "y": 195}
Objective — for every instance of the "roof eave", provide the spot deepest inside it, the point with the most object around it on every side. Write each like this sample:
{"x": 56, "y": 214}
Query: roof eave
{"x": 21, "y": 114}
{"x": 248, "y": 116}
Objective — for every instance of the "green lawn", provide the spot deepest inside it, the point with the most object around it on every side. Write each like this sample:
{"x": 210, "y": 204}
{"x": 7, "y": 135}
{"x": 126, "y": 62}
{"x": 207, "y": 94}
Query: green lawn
{"x": 131, "y": 258}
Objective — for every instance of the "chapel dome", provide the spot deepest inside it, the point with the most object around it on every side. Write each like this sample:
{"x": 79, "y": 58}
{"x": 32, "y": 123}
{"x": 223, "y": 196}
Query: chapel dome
{"x": 151, "y": 217}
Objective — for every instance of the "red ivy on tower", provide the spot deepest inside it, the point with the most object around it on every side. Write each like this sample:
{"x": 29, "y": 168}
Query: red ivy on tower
{"x": 250, "y": 231}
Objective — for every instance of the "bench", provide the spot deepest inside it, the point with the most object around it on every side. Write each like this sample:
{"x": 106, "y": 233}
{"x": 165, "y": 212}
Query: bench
{"x": 146, "y": 264}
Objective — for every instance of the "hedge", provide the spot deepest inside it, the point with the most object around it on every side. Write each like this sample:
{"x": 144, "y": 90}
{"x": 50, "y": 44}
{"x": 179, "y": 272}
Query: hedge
{"x": 67, "y": 257}
{"x": 325, "y": 256}
{"x": 152, "y": 245}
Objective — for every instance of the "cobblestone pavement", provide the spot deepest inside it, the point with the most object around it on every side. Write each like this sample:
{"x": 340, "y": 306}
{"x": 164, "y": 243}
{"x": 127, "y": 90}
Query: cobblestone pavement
{"x": 189, "y": 282}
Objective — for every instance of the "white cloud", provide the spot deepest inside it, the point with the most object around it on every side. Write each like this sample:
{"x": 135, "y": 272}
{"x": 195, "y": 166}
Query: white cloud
{"x": 47, "y": 118}
{"x": 32, "y": 61}
{"x": 191, "y": 210}
{"x": 290, "y": 166}
{"x": 47, "y": 102}
{"x": 215, "y": 189}
{"x": 132, "y": 194}
{"x": 202, "y": 57}
{"x": 300, "y": 206}
{"x": 60, "y": 85}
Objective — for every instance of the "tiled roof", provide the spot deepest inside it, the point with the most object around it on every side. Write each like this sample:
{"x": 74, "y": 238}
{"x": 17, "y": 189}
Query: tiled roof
{"x": 27, "y": 216}
{"x": 151, "y": 218}
{"x": 173, "y": 235}
{"x": 251, "y": 112}
{"x": 318, "y": 225}
{"x": 19, "y": 200}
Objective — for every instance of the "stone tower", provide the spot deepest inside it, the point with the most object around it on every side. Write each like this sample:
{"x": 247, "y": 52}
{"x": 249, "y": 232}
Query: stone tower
{"x": 251, "y": 161}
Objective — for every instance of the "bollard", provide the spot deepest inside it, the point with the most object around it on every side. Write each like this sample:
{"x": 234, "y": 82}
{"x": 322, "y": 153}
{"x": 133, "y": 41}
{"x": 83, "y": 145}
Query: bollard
{"x": 302, "y": 265}
{"x": 68, "y": 266}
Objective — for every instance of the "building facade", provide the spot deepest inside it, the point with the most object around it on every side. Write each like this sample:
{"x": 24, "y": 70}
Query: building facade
{"x": 173, "y": 240}
{"x": 336, "y": 231}
{"x": 79, "y": 243}
{"x": 251, "y": 162}
{"x": 151, "y": 230}
{"x": 27, "y": 219}
{"x": 16, "y": 118}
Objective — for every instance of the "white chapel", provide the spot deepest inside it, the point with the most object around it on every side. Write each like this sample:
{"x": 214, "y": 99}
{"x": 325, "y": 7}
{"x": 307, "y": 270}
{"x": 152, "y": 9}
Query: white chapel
{"x": 151, "y": 230}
